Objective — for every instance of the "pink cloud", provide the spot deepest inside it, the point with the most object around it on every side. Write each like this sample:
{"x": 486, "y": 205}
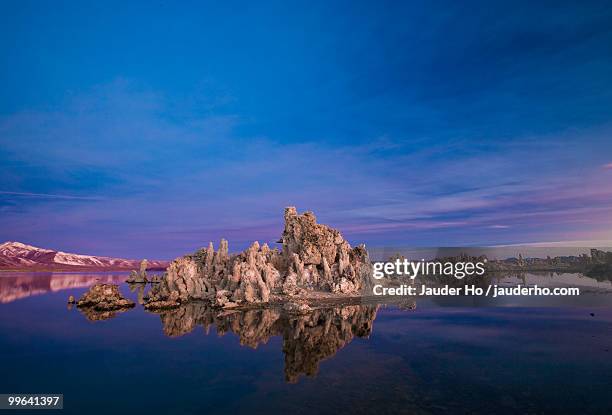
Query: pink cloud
{"x": 607, "y": 166}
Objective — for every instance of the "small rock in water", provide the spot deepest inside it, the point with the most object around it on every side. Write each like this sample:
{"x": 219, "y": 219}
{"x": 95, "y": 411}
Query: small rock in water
{"x": 155, "y": 302}
{"x": 104, "y": 297}
{"x": 71, "y": 300}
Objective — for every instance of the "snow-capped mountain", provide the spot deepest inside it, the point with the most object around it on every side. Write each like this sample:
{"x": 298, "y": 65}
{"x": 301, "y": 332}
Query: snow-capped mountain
{"x": 15, "y": 255}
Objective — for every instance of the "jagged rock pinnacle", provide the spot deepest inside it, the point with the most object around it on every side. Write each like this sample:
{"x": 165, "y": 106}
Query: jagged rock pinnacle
{"x": 314, "y": 257}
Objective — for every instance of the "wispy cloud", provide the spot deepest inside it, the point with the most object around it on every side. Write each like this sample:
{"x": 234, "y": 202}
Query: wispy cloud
{"x": 49, "y": 196}
{"x": 169, "y": 183}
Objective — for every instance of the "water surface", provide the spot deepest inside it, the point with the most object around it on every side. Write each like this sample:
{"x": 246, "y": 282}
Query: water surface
{"x": 444, "y": 356}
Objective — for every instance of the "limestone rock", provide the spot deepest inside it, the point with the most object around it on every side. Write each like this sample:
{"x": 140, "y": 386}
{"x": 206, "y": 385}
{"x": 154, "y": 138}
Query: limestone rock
{"x": 104, "y": 297}
{"x": 134, "y": 278}
{"x": 156, "y": 279}
{"x": 155, "y": 301}
{"x": 309, "y": 240}
{"x": 185, "y": 277}
{"x": 253, "y": 275}
{"x": 140, "y": 276}
{"x": 343, "y": 286}
{"x": 314, "y": 257}
{"x": 297, "y": 308}
{"x": 290, "y": 286}
{"x": 321, "y": 258}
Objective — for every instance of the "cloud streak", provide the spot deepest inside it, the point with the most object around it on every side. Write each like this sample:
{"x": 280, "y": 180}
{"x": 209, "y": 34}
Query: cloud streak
{"x": 49, "y": 196}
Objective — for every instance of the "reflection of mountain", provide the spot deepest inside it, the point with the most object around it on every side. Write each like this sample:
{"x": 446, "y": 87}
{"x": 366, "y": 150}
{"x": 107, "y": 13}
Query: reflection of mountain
{"x": 15, "y": 255}
{"x": 307, "y": 338}
{"x": 15, "y": 287}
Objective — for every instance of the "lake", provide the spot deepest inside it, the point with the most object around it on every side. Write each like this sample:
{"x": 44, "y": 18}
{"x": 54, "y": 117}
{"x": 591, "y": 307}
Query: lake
{"x": 427, "y": 356}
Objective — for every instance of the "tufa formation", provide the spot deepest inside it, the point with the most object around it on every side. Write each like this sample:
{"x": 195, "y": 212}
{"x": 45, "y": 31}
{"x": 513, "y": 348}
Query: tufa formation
{"x": 315, "y": 260}
{"x": 103, "y": 301}
{"x": 104, "y": 297}
{"x": 140, "y": 276}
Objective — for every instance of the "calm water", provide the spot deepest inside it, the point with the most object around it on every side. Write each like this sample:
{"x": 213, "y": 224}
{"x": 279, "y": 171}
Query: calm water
{"x": 445, "y": 356}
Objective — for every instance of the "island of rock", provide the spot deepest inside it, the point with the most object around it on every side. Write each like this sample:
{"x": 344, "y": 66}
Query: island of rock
{"x": 102, "y": 301}
{"x": 315, "y": 261}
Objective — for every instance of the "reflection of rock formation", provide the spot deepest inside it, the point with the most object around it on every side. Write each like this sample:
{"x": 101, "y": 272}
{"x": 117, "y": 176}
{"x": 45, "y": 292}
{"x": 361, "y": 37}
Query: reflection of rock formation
{"x": 314, "y": 257}
{"x": 186, "y": 318}
{"x": 15, "y": 287}
{"x": 601, "y": 267}
{"x": 141, "y": 291}
{"x": 92, "y": 314}
{"x": 307, "y": 338}
{"x": 311, "y": 338}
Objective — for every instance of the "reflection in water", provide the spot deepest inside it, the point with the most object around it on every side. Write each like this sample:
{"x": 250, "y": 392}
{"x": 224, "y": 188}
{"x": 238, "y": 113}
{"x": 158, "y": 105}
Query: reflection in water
{"x": 307, "y": 338}
{"x": 437, "y": 359}
{"x": 513, "y": 278}
{"x": 92, "y": 314}
{"x": 140, "y": 289}
{"x": 16, "y": 286}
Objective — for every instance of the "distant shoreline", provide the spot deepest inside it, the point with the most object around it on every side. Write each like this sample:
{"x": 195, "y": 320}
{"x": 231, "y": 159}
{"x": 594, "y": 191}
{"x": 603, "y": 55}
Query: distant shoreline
{"x": 75, "y": 269}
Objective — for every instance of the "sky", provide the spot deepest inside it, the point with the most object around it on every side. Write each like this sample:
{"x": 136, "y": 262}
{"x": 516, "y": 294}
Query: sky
{"x": 148, "y": 129}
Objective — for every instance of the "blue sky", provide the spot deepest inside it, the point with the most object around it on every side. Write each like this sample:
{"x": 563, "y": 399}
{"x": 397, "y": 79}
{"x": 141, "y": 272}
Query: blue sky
{"x": 148, "y": 129}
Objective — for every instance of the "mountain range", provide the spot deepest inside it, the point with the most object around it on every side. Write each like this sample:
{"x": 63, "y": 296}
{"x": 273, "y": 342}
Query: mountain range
{"x": 19, "y": 256}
